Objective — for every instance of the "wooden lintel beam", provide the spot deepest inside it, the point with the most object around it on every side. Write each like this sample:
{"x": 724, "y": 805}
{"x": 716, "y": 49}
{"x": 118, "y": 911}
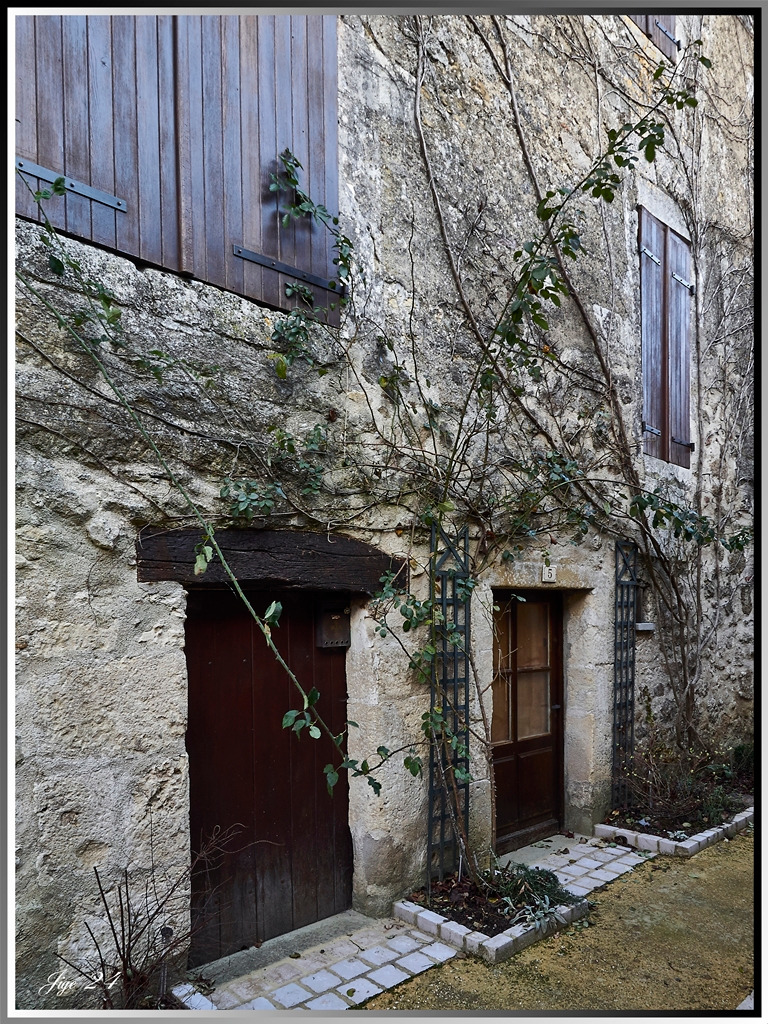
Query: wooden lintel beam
{"x": 284, "y": 558}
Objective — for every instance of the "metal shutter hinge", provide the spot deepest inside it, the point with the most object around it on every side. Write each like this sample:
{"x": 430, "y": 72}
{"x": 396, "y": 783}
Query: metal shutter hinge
{"x": 76, "y": 187}
{"x": 648, "y": 253}
{"x": 284, "y": 268}
{"x": 684, "y": 444}
{"x": 668, "y": 34}
{"x": 686, "y": 284}
{"x": 648, "y": 429}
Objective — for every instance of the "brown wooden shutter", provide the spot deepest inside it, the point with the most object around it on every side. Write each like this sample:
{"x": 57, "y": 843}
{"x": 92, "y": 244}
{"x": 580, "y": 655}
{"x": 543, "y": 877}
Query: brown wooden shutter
{"x": 662, "y": 32}
{"x": 652, "y": 257}
{"x": 665, "y": 267}
{"x": 678, "y": 330}
{"x": 182, "y": 119}
{"x": 641, "y": 20}
{"x": 94, "y": 107}
{"x": 294, "y": 83}
{"x": 660, "y": 29}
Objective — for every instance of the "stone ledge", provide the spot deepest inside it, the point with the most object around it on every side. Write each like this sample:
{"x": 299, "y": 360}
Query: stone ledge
{"x": 499, "y": 947}
{"x": 677, "y": 848}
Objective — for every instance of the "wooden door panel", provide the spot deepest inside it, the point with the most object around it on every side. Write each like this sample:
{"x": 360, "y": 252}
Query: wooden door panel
{"x": 532, "y": 705}
{"x": 304, "y": 771}
{"x": 291, "y": 863}
{"x": 332, "y": 828}
{"x": 536, "y": 799}
{"x": 272, "y": 768}
{"x": 222, "y": 728}
{"x": 505, "y": 777}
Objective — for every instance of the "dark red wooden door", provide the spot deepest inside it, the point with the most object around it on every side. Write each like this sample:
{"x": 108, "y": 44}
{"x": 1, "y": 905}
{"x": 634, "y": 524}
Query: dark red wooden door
{"x": 290, "y": 863}
{"x": 527, "y": 723}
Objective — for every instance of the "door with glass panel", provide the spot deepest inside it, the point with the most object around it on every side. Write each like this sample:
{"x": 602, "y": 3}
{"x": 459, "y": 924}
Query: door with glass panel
{"x": 527, "y": 720}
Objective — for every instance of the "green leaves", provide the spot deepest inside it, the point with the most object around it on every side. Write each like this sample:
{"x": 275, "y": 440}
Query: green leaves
{"x": 545, "y": 210}
{"x": 203, "y": 555}
{"x": 56, "y": 265}
{"x": 249, "y": 498}
{"x": 304, "y": 719}
{"x": 273, "y": 613}
{"x": 294, "y": 458}
{"x": 281, "y": 364}
{"x": 603, "y": 181}
{"x": 686, "y": 523}
{"x": 301, "y": 206}
{"x": 331, "y": 777}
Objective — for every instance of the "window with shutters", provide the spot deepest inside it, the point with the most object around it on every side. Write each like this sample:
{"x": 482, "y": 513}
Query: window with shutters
{"x": 167, "y": 129}
{"x": 660, "y": 29}
{"x": 666, "y": 289}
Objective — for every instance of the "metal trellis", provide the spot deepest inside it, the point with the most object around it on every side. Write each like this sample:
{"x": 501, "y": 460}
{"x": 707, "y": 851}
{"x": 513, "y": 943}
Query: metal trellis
{"x": 449, "y": 804}
{"x": 624, "y": 667}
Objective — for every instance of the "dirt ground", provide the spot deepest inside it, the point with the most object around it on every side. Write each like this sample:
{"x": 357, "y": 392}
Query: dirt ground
{"x": 672, "y": 935}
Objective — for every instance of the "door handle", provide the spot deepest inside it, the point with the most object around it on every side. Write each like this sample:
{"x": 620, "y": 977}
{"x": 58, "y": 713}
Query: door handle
{"x": 555, "y": 707}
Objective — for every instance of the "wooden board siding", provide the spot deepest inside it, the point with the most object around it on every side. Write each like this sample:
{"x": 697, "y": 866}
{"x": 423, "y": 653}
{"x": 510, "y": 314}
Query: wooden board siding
{"x": 99, "y": 96}
{"x": 26, "y": 107}
{"x": 184, "y": 117}
{"x": 280, "y": 557}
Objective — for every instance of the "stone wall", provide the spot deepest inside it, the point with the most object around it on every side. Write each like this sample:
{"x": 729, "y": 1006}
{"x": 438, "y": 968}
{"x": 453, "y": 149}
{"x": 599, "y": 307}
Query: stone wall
{"x": 101, "y": 698}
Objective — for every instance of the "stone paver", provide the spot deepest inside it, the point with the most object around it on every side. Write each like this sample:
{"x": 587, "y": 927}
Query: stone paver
{"x": 415, "y": 963}
{"x": 321, "y": 981}
{"x": 619, "y": 868}
{"x": 439, "y": 951}
{"x": 225, "y": 1000}
{"x": 378, "y": 955}
{"x": 329, "y": 1001}
{"x": 589, "y": 862}
{"x": 388, "y": 976}
{"x": 360, "y": 990}
{"x": 259, "y": 1004}
{"x": 371, "y": 961}
{"x": 601, "y": 875}
{"x": 579, "y": 890}
{"x": 348, "y": 969}
{"x": 291, "y": 995}
{"x": 403, "y": 944}
{"x": 572, "y": 871}
{"x": 193, "y": 999}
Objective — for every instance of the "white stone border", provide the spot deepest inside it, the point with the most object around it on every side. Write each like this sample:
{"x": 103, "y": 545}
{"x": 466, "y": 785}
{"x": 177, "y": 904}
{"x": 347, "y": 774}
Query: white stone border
{"x": 493, "y": 949}
{"x": 671, "y": 847}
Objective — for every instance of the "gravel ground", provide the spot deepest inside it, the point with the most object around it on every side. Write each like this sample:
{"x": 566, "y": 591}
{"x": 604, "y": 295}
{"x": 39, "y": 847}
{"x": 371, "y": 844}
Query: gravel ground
{"x": 672, "y": 935}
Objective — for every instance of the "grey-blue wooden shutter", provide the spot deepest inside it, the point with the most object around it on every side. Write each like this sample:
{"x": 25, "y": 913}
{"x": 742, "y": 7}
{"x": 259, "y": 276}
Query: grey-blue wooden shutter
{"x": 652, "y": 258}
{"x": 678, "y": 347}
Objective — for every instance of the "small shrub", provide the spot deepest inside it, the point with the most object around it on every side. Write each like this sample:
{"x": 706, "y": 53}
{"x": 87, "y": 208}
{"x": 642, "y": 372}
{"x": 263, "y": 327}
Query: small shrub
{"x": 531, "y": 892}
{"x": 136, "y": 951}
{"x": 683, "y": 785}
